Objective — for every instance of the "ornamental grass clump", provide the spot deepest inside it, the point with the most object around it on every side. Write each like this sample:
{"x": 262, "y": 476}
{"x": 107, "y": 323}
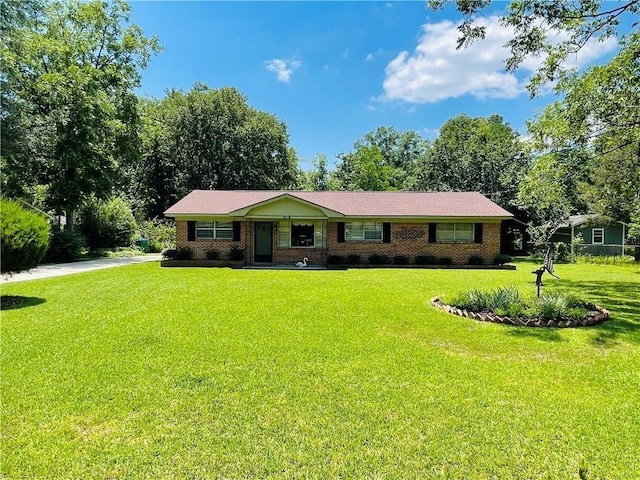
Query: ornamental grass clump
{"x": 508, "y": 301}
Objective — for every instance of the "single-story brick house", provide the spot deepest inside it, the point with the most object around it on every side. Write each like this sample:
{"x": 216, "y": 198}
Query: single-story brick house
{"x": 282, "y": 227}
{"x": 601, "y": 235}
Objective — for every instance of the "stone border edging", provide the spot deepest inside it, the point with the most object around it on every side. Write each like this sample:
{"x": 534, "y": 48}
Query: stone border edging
{"x": 593, "y": 317}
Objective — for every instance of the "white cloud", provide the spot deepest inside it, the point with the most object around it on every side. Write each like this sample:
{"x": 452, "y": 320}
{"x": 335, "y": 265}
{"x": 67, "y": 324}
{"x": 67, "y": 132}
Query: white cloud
{"x": 436, "y": 70}
{"x": 282, "y": 68}
{"x": 369, "y": 57}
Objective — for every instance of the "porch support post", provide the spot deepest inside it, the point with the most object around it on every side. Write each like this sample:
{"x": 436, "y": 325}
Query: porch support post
{"x": 572, "y": 239}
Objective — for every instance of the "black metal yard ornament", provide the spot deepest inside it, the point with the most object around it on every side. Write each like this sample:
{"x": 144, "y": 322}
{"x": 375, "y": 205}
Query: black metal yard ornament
{"x": 547, "y": 266}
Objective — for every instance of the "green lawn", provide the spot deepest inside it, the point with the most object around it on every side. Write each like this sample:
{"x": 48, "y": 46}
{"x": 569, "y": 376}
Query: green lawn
{"x": 143, "y": 372}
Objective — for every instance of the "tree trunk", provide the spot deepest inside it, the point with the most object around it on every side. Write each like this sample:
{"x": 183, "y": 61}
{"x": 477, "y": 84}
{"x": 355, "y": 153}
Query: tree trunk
{"x": 69, "y": 213}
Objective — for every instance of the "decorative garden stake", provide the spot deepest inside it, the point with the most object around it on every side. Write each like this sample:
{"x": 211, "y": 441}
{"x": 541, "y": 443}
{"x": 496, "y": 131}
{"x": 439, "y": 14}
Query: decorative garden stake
{"x": 548, "y": 266}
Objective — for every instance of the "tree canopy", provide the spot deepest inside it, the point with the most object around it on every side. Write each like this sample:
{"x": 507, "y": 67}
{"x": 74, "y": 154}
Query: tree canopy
{"x": 553, "y": 30}
{"x": 69, "y": 73}
{"x": 208, "y": 139}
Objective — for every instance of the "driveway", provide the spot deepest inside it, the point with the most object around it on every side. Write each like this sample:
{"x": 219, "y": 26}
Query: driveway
{"x": 56, "y": 270}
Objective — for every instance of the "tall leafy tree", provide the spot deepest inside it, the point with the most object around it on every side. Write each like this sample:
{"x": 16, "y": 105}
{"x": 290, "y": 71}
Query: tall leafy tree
{"x": 383, "y": 159}
{"x": 319, "y": 178}
{"x": 551, "y": 29}
{"x": 70, "y": 69}
{"x": 477, "y": 154}
{"x": 597, "y": 128}
{"x": 208, "y": 139}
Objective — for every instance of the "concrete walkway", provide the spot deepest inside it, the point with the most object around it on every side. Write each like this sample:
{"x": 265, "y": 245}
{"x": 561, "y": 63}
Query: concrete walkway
{"x": 56, "y": 270}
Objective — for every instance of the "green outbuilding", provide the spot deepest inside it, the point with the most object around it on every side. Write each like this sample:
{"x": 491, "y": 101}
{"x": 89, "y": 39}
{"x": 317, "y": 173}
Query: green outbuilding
{"x": 600, "y": 235}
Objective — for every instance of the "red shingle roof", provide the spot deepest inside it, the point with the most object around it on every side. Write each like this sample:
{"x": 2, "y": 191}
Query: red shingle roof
{"x": 350, "y": 204}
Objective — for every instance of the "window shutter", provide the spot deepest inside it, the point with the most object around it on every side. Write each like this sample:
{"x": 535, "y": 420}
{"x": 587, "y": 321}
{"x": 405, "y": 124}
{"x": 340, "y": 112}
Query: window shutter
{"x": 386, "y": 232}
{"x": 191, "y": 231}
{"x": 236, "y": 231}
{"x": 432, "y": 233}
{"x": 340, "y": 232}
{"x": 477, "y": 235}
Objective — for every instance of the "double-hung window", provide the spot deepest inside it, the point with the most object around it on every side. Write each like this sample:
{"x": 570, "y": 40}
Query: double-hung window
{"x": 216, "y": 230}
{"x": 363, "y": 231}
{"x": 454, "y": 232}
{"x": 597, "y": 236}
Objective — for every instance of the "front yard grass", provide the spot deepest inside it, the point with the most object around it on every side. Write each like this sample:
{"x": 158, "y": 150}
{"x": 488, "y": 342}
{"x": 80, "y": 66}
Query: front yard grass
{"x": 143, "y": 372}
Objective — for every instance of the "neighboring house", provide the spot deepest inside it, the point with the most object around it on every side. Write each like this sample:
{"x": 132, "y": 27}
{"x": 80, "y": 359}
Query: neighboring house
{"x": 282, "y": 227}
{"x": 600, "y": 235}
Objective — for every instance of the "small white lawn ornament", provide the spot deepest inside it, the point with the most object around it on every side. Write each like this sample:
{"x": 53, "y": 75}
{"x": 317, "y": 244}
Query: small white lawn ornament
{"x": 303, "y": 263}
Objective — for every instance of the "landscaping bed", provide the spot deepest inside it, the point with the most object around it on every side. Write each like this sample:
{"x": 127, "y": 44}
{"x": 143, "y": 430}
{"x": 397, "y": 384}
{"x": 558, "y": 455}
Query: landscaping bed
{"x": 507, "y": 305}
{"x": 594, "y": 316}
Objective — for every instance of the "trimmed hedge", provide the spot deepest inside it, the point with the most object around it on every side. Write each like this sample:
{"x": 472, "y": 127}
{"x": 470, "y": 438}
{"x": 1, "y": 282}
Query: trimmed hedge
{"x": 24, "y": 237}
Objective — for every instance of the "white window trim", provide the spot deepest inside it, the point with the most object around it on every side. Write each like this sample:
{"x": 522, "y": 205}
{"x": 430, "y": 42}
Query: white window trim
{"x": 454, "y": 240}
{"x": 379, "y": 228}
{"x": 215, "y": 229}
{"x": 593, "y": 236}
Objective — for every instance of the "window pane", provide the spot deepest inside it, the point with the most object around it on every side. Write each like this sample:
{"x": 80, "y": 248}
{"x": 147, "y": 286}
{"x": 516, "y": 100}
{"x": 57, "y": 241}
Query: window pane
{"x": 283, "y": 234}
{"x": 598, "y": 235}
{"x": 353, "y": 231}
{"x": 224, "y": 225}
{"x": 204, "y": 233}
{"x": 224, "y": 234}
{"x": 444, "y": 232}
{"x": 373, "y": 235}
{"x": 302, "y": 235}
{"x": 464, "y": 232}
{"x": 319, "y": 234}
{"x": 204, "y": 224}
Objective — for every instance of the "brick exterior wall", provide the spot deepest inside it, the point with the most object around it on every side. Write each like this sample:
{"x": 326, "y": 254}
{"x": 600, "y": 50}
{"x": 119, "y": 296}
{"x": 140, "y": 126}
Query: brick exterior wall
{"x": 201, "y": 246}
{"x": 409, "y": 239}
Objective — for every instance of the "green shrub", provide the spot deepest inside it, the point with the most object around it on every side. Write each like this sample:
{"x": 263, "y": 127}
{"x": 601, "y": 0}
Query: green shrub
{"x": 213, "y": 255}
{"x": 353, "y": 259}
{"x": 552, "y": 305}
{"x": 475, "y": 260}
{"x": 160, "y": 233}
{"x": 107, "y": 224}
{"x": 119, "y": 252}
{"x": 378, "y": 259}
{"x": 170, "y": 254}
{"x": 503, "y": 298}
{"x": 236, "y": 254}
{"x": 24, "y": 237}
{"x": 605, "y": 259}
{"x": 400, "y": 260}
{"x": 502, "y": 258}
{"x": 335, "y": 260}
{"x": 445, "y": 261}
{"x": 426, "y": 260}
{"x": 184, "y": 253}
{"x": 65, "y": 246}
{"x": 563, "y": 252}
{"x": 475, "y": 300}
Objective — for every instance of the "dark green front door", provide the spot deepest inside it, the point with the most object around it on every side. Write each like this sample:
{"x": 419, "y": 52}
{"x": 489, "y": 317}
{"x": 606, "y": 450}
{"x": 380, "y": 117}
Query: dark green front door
{"x": 264, "y": 242}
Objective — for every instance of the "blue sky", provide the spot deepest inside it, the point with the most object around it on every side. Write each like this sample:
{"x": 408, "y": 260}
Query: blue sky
{"x": 332, "y": 71}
